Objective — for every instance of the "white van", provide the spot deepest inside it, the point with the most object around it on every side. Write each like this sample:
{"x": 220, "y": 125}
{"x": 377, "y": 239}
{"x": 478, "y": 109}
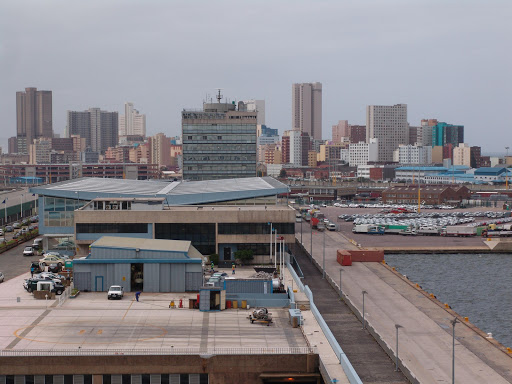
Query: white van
{"x": 38, "y": 243}
{"x": 331, "y": 227}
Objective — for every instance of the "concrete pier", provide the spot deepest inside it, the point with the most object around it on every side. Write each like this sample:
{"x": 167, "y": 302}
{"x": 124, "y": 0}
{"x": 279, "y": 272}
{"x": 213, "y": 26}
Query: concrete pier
{"x": 425, "y": 341}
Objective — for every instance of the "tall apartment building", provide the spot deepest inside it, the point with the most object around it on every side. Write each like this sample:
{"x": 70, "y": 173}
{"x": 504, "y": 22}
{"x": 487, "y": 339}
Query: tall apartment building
{"x": 424, "y": 132}
{"x": 357, "y": 133}
{"x": 412, "y": 154}
{"x": 99, "y": 128}
{"x": 307, "y": 109}
{"x": 39, "y": 151}
{"x": 389, "y": 125}
{"x": 414, "y": 132}
{"x": 33, "y": 117}
{"x": 362, "y": 153}
{"x": 132, "y": 123}
{"x": 443, "y": 134}
{"x": 462, "y": 155}
{"x": 256, "y": 106}
{"x": 219, "y": 142}
{"x": 160, "y": 147}
{"x": 339, "y": 131}
{"x": 298, "y": 144}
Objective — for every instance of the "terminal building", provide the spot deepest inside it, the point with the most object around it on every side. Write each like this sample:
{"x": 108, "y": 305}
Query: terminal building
{"x": 220, "y": 216}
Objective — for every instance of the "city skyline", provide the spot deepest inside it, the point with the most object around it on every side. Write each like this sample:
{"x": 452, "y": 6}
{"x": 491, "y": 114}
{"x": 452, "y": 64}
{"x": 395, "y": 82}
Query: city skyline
{"x": 471, "y": 91}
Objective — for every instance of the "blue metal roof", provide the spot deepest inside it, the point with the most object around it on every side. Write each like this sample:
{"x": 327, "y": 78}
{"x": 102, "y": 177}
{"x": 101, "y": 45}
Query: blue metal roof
{"x": 494, "y": 171}
{"x": 175, "y": 193}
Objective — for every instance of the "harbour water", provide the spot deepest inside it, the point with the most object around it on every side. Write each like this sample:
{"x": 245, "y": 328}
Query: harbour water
{"x": 477, "y": 286}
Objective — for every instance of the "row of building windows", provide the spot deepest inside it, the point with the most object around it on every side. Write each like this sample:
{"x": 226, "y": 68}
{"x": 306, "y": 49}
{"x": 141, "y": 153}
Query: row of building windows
{"x": 58, "y": 204}
{"x": 225, "y": 138}
{"x": 173, "y": 378}
{"x": 255, "y": 228}
{"x": 205, "y": 129}
{"x": 202, "y": 235}
{"x": 112, "y": 228}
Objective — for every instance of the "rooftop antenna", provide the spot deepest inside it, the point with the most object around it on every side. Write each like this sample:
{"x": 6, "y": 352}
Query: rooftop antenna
{"x": 219, "y": 96}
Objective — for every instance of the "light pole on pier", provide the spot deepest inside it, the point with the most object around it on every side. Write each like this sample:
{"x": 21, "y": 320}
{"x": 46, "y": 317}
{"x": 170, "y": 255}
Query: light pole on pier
{"x": 454, "y": 321}
{"x": 364, "y": 293}
{"x": 396, "y": 364}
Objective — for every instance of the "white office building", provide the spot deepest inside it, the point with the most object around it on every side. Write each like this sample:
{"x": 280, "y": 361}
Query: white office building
{"x": 412, "y": 154}
{"x": 132, "y": 123}
{"x": 361, "y": 153}
{"x": 389, "y": 125}
{"x": 257, "y": 106}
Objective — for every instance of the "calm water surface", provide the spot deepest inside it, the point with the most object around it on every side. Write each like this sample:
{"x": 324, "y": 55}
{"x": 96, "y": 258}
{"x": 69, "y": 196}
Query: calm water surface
{"x": 477, "y": 286}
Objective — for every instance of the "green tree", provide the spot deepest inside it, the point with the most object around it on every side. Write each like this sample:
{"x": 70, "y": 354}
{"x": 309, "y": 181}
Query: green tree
{"x": 244, "y": 255}
{"x": 282, "y": 174}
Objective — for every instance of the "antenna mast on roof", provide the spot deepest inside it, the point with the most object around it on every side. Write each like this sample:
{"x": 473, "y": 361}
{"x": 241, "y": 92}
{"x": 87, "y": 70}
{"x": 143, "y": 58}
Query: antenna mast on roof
{"x": 219, "y": 96}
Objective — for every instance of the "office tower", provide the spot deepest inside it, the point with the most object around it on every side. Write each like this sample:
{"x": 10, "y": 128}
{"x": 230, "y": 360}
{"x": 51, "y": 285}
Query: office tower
{"x": 339, "y": 131}
{"x": 267, "y": 135}
{"x": 443, "y": 134}
{"x": 362, "y": 153}
{"x": 412, "y": 154}
{"x": 99, "y": 128}
{"x": 307, "y": 109}
{"x": 357, "y": 133}
{"x": 219, "y": 142}
{"x": 13, "y": 145}
{"x": 389, "y": 125}
{"x": 39, "y": 151}
{"x": 413, "y": 135}
{"x": 424, "y": 132}
{"x": 33, "y": 117}
{"x": 160, "y": 147}
{"x": 298, "y": 144}
{"x": 256, "y": 106}
{"x": 132, "y": 123}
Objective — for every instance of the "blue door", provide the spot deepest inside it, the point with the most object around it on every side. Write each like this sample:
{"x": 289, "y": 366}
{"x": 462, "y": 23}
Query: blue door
{"x": 98, "y": 286}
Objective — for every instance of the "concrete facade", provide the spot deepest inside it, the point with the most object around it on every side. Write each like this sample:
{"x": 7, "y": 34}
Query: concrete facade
{"x": 307, "y": 109}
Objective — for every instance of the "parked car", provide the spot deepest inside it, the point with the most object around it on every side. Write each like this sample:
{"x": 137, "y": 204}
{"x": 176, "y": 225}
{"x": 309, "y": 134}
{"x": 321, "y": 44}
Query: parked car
{"x": 52, "y": 259}
{"x": 55, "y": 268}
{"x": 115, "y": 292}
{"x": 28, "y": 251}
{"x": 1, "y": 232}
{"x": 2, "y": 277}
{"x": 24, "y": 231}
{"x": 16, "y": 225}
{"x": 9, "y": 228}
{"x": 50, "y": 275}
{"x": 42, "y": 284}
{"x": 37, "y": 243}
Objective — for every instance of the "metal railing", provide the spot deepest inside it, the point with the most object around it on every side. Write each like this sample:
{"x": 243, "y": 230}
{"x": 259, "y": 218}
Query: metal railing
{"x": 167, "y": 351}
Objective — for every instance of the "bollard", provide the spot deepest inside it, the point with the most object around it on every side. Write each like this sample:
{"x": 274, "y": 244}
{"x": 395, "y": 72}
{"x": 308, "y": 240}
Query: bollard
{"x": 509, "y": 350}
{"x": 446, "y": 305}
{"x": 18, "y": 299}
{"x": 466, "y": 318}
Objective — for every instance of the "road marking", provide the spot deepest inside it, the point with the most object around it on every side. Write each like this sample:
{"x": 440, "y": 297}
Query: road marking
{"x": 99, "y": 332}
{"x": 82, "y": 332}
{"x": 127, "y": 310}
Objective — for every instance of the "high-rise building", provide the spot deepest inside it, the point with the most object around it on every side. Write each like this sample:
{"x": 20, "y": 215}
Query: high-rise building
{"x": 219, "y": 142}
{"x": 160, "y": 146}
{"x": 99, "y": 128}
{"x": 256, "y": 106}
{"x": 39, "y": 151}
{"x": 389, "y": 125}
{"x": 413, "y": 135}
{"x": 424, "y": 132}
{"x": 339, "y": 131}
{"x": 132, "y": 123}
{"x": 298, "y": 144}
{"x": 462, "y": 155}
{"x": 362, "y": 153}
{"x": 412, "y": 154}
{"x": 307, "y": 109}
{"x": 443, "y": 133}
{"x": 33, "y": 117}
{"x": 357, "y": 133}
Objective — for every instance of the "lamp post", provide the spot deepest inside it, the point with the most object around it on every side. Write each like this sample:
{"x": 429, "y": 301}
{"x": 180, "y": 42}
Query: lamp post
{"x": 323, "y": 259}
{"x": 301, "y": 220}
{"x": 396, "y": 364}
{"x": 21, "y": 213}
{"x": 364, "y": 293}
{"x": 454, "y": 321}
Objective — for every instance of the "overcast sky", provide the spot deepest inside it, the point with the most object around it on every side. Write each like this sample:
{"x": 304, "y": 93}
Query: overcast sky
{"x": 450, "y": 60}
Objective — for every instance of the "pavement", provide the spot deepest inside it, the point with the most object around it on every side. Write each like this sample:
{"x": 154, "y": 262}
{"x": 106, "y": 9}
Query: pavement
{"x": 425, "y": 341}
{"x": 90, "y": 321}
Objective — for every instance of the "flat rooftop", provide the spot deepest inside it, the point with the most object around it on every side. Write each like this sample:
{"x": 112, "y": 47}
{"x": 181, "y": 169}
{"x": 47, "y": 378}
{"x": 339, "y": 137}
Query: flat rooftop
{"x": 92, "y": 322}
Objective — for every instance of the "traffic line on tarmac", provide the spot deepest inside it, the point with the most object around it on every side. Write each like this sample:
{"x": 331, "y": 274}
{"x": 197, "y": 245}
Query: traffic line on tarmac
{"x": 127, "y": 310}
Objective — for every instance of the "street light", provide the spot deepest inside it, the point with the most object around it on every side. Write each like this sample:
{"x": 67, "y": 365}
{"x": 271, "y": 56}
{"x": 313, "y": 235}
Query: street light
{"x": 301, "y": 220}
{"x": 454, "y": 321}
{"x": 311, "y": 245}
{"x": 364, "y": 293}
{"x": 21, "y": 214}
{"x": 271, "y": 230}
{"x": 397, "y": 326}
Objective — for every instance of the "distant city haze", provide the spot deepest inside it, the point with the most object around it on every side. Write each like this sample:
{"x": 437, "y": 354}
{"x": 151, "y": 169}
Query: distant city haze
{"x": 445, "y": 61}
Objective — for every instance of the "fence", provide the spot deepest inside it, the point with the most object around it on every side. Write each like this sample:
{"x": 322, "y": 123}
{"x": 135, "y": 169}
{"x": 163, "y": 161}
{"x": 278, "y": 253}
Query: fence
{"x": 167, "y": 351}
{"x": 65, "y": 295}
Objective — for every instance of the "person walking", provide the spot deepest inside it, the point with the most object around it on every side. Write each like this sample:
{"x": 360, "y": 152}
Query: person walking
{"x": 137, "y": 294}
{"x": 233, "y": 268}
{"x": 212, "y": 266}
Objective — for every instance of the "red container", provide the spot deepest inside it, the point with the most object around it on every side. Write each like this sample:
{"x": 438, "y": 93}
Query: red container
{"x": 347, "y": 260}
{"x": 228, "y": 304}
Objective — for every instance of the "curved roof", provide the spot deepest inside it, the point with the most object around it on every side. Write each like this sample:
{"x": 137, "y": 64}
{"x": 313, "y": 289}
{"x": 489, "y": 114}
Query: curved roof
{"x": 175, "y": 193}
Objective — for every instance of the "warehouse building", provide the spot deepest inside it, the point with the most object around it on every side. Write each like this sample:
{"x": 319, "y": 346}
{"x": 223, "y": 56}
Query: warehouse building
{"x": 139, "y": 265}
